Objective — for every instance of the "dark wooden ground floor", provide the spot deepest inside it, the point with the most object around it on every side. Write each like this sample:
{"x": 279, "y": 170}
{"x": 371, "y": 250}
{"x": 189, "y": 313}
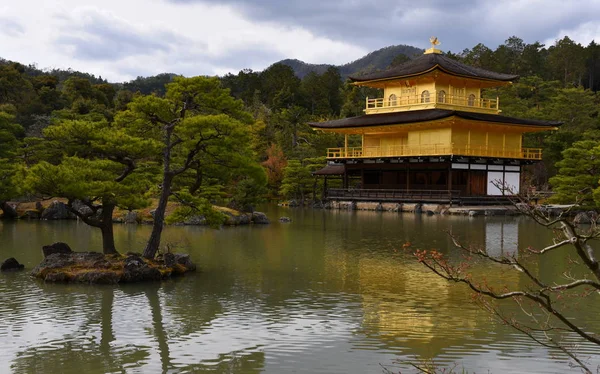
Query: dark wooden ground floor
{"x": 468, "y": 179}
{"x": 452, "y": 197}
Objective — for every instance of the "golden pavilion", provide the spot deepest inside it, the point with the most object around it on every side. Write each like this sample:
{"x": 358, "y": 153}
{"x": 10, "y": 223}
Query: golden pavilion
{"x": 431, "y": 134}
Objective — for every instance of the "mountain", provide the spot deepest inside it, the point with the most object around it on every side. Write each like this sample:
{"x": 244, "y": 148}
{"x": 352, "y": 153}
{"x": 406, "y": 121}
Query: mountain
{"x": 376, "y": 60}
{"x": 61, "y": 74}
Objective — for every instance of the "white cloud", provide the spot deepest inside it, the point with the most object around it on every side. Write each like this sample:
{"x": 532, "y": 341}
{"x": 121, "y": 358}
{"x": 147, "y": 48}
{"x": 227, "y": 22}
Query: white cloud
{"x": 10, "y": 27}
{"x": 582, "y": 34}
{"x": 122, "y": 39}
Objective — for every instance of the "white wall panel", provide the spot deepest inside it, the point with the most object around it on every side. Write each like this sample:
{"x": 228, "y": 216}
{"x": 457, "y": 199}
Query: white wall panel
{"x": 494, "y": 177}
{"x": 513, "y": 181}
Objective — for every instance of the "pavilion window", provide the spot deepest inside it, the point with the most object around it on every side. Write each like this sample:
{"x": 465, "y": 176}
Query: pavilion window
{"x": 425, "y": 96}
{"x": 393, "y": 101}
{"x": 441, "y": 97}
{"x": 471, "y": 101}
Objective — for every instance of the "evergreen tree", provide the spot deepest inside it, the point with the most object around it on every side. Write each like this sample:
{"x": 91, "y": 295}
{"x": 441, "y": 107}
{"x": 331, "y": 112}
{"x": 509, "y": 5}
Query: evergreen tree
{"x": 101, "y": 167}
{"x": 9, "y": 134}
{"x": 203, "y": 130}
{"x": 578, "y": 174}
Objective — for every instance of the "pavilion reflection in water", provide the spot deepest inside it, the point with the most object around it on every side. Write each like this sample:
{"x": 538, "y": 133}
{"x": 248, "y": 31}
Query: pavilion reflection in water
{"x": 502, "y": 238}
{"x": 408, "y": 308}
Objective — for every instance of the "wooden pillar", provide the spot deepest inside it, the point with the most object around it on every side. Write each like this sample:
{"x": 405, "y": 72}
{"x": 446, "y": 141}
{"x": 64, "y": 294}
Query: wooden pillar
{"x": 345, "y": 145}
{"x": 324, "y": 194}
{"x": 345, "y": 180}
{"x": 469, "y": 181}
{"x": 469, "y": 142}
{"x": 450, "y": 183}
{"x": 407, "y": 177}
{"x": 362, "y": 178}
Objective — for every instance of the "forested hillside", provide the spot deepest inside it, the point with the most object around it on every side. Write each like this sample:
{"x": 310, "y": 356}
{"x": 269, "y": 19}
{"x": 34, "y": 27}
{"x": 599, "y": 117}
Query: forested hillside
{"x": 558, "y": 82}
{"x": 376, "y": 60}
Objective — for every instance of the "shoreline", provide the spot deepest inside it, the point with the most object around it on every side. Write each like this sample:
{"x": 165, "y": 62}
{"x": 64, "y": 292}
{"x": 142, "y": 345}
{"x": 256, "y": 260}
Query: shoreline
{"x": 56, "y": 209}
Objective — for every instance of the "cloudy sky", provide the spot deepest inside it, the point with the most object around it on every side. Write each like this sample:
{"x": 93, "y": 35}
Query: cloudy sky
{"x": 122, "y": 39}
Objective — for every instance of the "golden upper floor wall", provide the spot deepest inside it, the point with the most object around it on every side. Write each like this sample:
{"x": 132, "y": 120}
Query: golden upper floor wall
{"x": 432, "y": 91}
{"x": 433, "y": 81}
{"x": 453, "y": 137}
{"x": 454, "y": 133}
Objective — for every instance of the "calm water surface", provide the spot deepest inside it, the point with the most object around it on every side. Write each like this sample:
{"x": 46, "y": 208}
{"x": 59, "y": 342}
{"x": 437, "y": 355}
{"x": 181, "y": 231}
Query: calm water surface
{"x": 331, "y": 292}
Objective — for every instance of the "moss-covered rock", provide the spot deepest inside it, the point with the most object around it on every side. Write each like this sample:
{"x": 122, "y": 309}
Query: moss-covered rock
{"x": 97, "y": 268}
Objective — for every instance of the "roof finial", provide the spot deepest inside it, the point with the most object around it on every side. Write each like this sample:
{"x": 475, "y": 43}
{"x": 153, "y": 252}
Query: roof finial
{"x": 434, "y": 42}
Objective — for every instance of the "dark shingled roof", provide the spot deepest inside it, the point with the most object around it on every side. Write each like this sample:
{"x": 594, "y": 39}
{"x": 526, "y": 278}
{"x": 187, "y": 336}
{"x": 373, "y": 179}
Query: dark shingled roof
{"x": 425, "y": 115}
{"x": 428, "y": 62}
{"x": 331, "y": 170}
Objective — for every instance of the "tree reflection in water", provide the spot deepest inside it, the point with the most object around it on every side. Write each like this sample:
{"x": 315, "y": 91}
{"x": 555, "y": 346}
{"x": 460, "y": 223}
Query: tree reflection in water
{"x": 95, "y": 346}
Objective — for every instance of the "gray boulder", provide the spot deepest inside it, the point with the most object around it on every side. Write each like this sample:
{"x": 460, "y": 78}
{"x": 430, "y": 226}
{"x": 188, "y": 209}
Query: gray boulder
{"x": 8, "y": 210}
{"x": 131, "y": 217}
{"x": 11, "y": 264}
{"x": 260, "y": 218}
{"x": 53, "y": 261}
{"x": 136, "y": 269}
{"x": 83, "y": 209}
{"x": 195, "y": 221}
{"x": 57, "y": 210}
{"x": 234, "y": 220}
{"x": 285, "y": 219}
{"x": 58, "y": 247}
{"x": 185, "y": 260}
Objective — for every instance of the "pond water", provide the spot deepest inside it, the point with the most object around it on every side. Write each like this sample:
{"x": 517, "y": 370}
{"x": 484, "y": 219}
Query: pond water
{"x": 330, "y": 292}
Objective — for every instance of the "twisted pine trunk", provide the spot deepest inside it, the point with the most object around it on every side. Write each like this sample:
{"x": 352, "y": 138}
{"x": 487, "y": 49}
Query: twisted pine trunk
{"x": 159, "y": 219}
{"x": 159, "y": 214}
{"x": 106, "y": 227}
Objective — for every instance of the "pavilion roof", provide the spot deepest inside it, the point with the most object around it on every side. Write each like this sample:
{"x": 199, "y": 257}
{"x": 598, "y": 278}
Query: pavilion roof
{"x": 337, "y": 169}
{"x": 429, "y": 62}
{"x": 415, "y": 116}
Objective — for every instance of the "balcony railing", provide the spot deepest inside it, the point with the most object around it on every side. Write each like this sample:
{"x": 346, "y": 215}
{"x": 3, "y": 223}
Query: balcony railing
{"x": 434, "y": 150}
{"x": 434, "y": 99}
{"x": 417, "y": 195}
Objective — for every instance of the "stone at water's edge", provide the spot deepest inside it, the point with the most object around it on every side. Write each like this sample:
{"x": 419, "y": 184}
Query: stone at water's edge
{"x": 95, "y": 268}
{"x": 260, "y": 218}
{"x": 131, "y": 217}
{"x": 285, "y": 219}
{"x": 8, "y": 210}
{"x": 11, "y": 264}
{"x": 135, "y": 269}
{"x": 185, "y": 260}
{"x": 57, "y": 210}
{"x": 169, "y": 259}
{"x": 58, "y": 247}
